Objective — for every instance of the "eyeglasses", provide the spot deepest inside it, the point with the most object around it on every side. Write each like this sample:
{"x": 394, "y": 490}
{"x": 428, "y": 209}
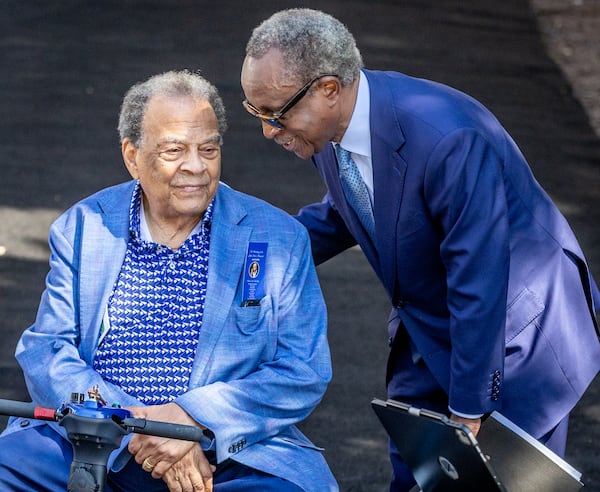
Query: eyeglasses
{"x": 273, "y": 118}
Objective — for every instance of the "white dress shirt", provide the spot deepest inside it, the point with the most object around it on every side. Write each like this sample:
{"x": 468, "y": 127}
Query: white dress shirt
{"x": 357, "y": 138}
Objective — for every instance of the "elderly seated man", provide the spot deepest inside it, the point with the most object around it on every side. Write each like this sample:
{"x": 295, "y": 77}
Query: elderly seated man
{"x": 186, "y": 302}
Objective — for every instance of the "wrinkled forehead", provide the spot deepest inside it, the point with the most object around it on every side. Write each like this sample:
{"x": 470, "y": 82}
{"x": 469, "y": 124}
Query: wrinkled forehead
{"x": 268, "y": 70}
{"x": 265, "y": 81}
{"x": 179, "y": 115}
{"x": 164, "y": 104}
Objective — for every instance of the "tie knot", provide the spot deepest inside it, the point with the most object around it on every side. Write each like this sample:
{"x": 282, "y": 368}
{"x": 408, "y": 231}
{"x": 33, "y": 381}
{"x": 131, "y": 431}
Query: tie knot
{"x": 343, "y": 155}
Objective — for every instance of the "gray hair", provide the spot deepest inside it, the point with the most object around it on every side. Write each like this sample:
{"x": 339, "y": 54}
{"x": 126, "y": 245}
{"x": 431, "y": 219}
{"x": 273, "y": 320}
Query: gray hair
{"x": 312, "y": 43}
{"x": 170, "y": 84}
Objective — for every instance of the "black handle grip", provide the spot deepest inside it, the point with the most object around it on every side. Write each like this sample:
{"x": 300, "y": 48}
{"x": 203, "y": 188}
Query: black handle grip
{"x": 27, "y": 410}
{"x": 17, "y": 408}
{"x": 163, "y": 429}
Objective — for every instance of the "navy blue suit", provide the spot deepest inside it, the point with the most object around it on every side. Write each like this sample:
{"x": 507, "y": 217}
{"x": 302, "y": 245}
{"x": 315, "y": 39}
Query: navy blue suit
{"x": 483, "y": 271}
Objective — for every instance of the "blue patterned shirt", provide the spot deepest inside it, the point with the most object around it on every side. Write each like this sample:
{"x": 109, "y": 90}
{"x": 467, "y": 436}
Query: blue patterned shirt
{"x": 155, "y": 313}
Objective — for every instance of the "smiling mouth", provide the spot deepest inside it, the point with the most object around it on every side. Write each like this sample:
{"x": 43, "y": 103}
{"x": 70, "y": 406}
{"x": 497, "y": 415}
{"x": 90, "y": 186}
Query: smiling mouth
{"x": 287, "y": 143}
{"x": 190, "y": 187}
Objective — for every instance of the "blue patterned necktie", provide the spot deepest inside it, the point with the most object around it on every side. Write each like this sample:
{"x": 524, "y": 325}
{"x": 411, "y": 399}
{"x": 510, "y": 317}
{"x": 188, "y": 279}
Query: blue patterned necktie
{"x": 355, "y": 189}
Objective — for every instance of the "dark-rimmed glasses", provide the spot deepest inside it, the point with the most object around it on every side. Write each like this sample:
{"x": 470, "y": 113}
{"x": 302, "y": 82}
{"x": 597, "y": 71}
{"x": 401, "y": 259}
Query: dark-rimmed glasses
{"x": 273, "y": 118}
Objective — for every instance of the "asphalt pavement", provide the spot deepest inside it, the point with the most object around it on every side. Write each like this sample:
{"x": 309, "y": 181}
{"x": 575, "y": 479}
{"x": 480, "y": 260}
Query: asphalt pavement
{"x": 66, "y": 65}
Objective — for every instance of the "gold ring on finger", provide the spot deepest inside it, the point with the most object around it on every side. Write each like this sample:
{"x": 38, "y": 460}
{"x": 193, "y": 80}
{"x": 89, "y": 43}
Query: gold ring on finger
{"x": 146, "y": 465}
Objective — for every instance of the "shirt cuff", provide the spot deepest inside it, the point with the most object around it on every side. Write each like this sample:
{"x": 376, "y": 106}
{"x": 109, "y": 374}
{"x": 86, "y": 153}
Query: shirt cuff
{"x": 466, "y": 415}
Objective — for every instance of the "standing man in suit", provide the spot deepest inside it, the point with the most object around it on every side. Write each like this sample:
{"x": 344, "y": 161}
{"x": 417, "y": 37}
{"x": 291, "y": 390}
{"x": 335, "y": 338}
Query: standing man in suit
{"x": 151, "y": 299}
{"x": 493, "y": 303}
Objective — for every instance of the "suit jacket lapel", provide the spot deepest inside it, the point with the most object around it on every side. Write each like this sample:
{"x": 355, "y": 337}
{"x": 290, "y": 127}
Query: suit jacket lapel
{"x": 102, "y": 254}
{"x": 228, "y": 245}
{"x": 389, "y": 172}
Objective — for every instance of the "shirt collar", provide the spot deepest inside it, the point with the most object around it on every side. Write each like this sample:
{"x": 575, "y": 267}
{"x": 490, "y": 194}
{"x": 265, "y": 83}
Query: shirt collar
{"x": 357, "y": 138}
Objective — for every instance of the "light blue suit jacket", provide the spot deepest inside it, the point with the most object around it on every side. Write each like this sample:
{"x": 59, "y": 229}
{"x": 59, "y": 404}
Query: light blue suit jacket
{"x": 483, "y": 271}
{"x": 258, "y": 370}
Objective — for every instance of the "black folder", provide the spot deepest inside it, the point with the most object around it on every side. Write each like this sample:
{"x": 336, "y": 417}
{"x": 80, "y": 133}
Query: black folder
{"x": 445, "y": 456}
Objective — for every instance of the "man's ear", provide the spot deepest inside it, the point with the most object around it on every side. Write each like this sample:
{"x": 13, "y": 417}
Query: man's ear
{"x": 129, "y": 152}
{"x": 331, "y": 88}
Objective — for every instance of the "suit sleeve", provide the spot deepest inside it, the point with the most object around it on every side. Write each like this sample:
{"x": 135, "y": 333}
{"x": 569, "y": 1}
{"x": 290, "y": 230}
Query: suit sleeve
{"x": 464, "y": 188}
{"x": 49, "y": 350}
{"x": 329, "y": 235}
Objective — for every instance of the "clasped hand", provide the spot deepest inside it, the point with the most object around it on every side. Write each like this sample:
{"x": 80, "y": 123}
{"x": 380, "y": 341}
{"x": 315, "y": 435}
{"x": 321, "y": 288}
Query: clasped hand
{"x": 180, "y": 464}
